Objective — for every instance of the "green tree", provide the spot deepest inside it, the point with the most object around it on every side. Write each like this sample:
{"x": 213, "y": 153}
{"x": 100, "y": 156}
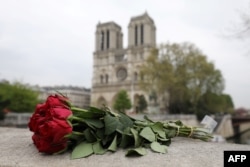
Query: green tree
{"x": 211, "y": 103}
{"x": 183, "y": 72}
{"x": 142, "y": 103}
{"x": 17, "y": 97}
{"x": 2, "y": 114}
{"x": 122, "y": 101}
{"x": 153, "y": 97}
{"x": 3, "y": 105}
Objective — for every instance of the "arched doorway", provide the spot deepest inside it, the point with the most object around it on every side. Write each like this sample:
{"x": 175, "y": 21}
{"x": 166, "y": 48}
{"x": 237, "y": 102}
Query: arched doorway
{"x": 101, "y": 102}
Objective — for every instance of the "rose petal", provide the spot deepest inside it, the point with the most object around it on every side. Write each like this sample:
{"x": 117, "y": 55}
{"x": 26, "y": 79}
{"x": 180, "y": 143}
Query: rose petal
{"x": 57, "y": 101}
{"x": 60, "y": 113}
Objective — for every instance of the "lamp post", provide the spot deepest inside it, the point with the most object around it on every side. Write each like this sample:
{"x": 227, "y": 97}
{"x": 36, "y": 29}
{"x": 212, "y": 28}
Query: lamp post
{"x": 132, "y": 93}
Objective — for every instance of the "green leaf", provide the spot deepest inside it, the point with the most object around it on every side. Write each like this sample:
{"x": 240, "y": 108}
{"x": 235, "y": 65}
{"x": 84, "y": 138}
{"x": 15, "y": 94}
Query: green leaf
{"x": 111, "y": 124}
{"x": 97, "y": 111}
{"x": 90, "y": 137}
{"x": 158, "y": 128}
{"x": 179, "y": 123}
{"x": 113, "y": 145}
{"x": 170, "y": 133}
{"x": 136, "y": 151}
{"x": 146, "y": 118}
{"x": 82, "y": 150}
{"x": 127, "y": 138}
{"x": 94, "y": 122}
{"x": 81, "y": 113}
{"x": 148, "y": 134}
{"x": 166, "y": 143}
{"x": 163, "y": 139}
{"x": 136, "y": 137}
{"x": 157, "y": 147}
{"x": 107, "y": 140}
{"x": 98, "y": 149}
{"x": 126, "y": 120}
{"x": 120, "y": 127}
{"x": 100, "y": 133}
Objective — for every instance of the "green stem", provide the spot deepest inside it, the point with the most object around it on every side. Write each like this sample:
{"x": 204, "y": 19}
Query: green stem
{"x": 78, "y": 109}
{"x": 77, "y": 133}
{"x": 143, "y": 123}
{"x": 75, "y": 124}
{"x": 71, "y": 118}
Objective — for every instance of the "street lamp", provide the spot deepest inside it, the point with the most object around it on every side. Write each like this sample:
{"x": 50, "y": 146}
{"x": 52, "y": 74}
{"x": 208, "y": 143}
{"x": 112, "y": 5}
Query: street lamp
{"x": 132, "y": 92}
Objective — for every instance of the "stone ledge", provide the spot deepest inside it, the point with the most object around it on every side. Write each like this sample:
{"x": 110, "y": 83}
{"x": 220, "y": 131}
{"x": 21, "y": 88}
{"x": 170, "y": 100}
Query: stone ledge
{"x": 17, "y": 150}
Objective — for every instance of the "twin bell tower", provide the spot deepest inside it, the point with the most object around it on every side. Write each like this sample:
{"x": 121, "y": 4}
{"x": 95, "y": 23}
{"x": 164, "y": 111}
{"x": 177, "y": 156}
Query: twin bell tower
{"x": 117, "y": 68}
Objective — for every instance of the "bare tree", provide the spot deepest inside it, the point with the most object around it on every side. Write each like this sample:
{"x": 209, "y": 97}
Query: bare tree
{"x": 243, "y": 29}
{"x": 240, "y": 29}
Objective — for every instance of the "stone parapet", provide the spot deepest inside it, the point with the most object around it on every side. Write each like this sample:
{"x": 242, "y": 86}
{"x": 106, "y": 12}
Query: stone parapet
{"x": 17, "y": 150}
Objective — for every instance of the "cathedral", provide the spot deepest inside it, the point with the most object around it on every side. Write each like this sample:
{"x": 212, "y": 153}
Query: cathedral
{"x": 117, "y": 68}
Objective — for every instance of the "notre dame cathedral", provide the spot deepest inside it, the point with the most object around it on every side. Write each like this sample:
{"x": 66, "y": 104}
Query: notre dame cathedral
{"x": 117, "y": 68}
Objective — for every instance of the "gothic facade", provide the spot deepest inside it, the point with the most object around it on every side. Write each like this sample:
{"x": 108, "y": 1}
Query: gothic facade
{"x": 117, "y": 68}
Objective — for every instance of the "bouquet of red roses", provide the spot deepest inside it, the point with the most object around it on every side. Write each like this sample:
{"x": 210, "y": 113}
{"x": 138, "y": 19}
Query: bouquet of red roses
{"x": 58, "y": 126}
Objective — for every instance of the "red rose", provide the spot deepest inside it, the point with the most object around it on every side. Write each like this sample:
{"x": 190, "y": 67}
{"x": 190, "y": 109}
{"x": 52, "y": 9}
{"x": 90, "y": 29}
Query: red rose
{"x": 38, "y": 118}
{"x": 49, "y": 124}
{"x": 59, "y": 113}
{"x": 51, "y": 136}
{"x": 55, "y": 106}
{"x": 57, "y": 101}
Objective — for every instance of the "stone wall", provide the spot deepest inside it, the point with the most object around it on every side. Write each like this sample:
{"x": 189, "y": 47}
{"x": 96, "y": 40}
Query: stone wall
{"x": 16, "y": 119}
{"x": 17, "y": 150}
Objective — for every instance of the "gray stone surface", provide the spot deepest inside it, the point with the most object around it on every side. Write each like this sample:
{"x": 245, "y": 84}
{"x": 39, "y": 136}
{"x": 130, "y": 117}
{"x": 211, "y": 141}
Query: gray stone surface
{"x": 17, "y": 150}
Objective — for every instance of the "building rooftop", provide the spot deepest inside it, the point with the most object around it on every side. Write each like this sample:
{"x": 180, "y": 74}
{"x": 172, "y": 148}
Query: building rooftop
{"x": 47, "y": 88}
{"x": 110, "y": 23}
{"x": 143, "y": 16}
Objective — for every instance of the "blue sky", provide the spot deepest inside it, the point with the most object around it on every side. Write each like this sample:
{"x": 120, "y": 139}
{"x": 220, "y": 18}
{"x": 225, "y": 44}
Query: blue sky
{"x": 51, "y": 42}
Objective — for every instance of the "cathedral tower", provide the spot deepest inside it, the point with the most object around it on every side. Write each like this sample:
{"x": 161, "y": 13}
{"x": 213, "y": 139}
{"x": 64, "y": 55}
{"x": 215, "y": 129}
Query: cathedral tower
{"x": 141, "y": 32}
{"x": 116, "y": 68}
